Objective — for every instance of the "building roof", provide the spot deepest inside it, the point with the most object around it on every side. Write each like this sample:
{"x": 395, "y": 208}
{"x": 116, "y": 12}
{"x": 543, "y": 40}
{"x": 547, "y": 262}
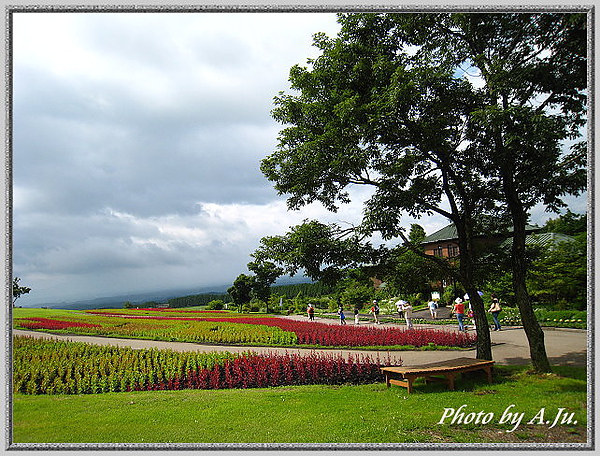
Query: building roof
{"x": 449, "y": 233}
{"x": 542, "y": 239}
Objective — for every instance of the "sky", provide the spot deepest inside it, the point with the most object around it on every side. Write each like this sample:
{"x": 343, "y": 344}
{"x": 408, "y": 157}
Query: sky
{"x": 137, "y": 141}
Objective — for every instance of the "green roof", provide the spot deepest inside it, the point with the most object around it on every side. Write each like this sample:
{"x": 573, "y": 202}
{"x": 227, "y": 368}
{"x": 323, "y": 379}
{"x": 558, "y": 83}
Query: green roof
{"x": 449, "y": 232}
{"x": 542, "y": 239}
{"x": 446, "y": 233}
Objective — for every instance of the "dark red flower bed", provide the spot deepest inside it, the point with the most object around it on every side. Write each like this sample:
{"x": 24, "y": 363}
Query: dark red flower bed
{"x": 262, "y": 371}
{"x": 48, "y": 323}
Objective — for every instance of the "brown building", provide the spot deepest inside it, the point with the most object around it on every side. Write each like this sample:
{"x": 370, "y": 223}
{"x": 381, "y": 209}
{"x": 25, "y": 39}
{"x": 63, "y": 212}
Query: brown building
{"x": 444, "y": 243}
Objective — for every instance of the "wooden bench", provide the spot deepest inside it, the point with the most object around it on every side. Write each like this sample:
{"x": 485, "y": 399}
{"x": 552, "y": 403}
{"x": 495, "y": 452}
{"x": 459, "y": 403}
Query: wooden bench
{"x": 405, "y": 376}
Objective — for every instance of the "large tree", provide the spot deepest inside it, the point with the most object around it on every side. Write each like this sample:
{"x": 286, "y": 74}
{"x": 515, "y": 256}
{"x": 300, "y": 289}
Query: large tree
{"x": 532, "y": 74}
{"x": 388, "y": 104}
{"x": 366, "y": 115}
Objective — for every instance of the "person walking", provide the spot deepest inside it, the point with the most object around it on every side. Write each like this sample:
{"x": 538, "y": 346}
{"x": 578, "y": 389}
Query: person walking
{"x": 471, "y": 315}
{"x": 495, "y": 310}
{"x": 311, "y": 312}
{"x": 342, "y": 316}
{"x": 399, "y": 305}
{"x": 407, "y": 309}
{"x": 375, "y": 312}
{"x": 459, "y": 310}
{"x": 356, "y": 316}
{"x": 433, "y": 309}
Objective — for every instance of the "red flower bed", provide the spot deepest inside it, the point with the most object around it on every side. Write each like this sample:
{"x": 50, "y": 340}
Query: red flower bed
{"x": 262, "y": 371}
{"x": 310, "y": 333}
{"x": 185, "y": 311}
{"x": 48, "y": 323}
{"x": 362, "y": 336}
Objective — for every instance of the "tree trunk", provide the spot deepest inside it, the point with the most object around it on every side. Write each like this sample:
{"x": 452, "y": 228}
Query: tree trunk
{"x": 532, "y": 328}
{"x": 465, "y": 240}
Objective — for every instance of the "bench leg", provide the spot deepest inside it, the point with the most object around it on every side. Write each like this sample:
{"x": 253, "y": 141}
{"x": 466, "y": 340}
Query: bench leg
{"x": 450, "y": 378}
{"x": 488, "y": 371}
{"x": 409, "y": 379}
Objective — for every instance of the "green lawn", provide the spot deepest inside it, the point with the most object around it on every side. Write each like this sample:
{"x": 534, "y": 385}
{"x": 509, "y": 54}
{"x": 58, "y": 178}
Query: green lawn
{"x": 311, "y": 414}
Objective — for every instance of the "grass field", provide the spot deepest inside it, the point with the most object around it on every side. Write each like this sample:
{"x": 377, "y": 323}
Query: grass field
{"x": 315, "y": 414}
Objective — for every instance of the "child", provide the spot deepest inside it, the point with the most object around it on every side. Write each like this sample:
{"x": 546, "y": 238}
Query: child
{"x": 342, "y": 316}
{"x": 356, "y": 317}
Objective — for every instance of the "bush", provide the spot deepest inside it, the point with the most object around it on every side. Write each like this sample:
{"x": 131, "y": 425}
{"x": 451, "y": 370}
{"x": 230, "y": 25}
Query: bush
{"x": 216, "y": 304}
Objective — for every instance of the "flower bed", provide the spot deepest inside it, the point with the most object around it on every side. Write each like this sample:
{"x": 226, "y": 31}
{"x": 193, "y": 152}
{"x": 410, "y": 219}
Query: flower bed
{"x": 44, "y": 366}
{"x": 252, "y": 330}
{"x": 52, "y": 324}
{"x": 310, "y": 333}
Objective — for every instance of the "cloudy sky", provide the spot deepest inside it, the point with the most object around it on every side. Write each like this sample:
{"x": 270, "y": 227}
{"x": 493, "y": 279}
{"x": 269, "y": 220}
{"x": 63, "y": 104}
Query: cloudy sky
{"x": 136, "y": 147}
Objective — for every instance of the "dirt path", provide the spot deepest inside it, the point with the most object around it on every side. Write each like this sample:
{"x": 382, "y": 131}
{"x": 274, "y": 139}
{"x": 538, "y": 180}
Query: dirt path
{"x": 509, "y": 346}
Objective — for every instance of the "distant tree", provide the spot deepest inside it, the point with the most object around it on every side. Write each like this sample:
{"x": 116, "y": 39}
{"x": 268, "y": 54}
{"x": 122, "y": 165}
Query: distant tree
{"x": 128, "y": 305}
{"x": 18, "y": 290}
{"x": 266, "y": 275}
{"x": 241, "y": 290}
{"x": 568, "y": 223}
{"x": 356, "y": 294}
{"x": 216, "y": 304}
{"x": 559, "y": 276}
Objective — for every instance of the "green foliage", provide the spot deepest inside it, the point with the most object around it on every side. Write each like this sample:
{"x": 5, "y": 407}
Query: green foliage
{"x": 568, "y": 223}
{"x": 559, "y": 277}
{"x": 321, "y": 251}
{"x": 266, "y": 273}
{"x": 216, "y": 304}
{"x": 451, "y": 292}
{"x": 18, "y": 290}
{"x": 409, "y": 273}
{"x": 314, "y": 289}
{"x": 356, "y": 294}
{"x": 241, "y": 290}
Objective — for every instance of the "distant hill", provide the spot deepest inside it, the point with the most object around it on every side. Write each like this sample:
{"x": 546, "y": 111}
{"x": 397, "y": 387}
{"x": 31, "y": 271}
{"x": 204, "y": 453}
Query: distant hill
{"x": 116, "y": 302}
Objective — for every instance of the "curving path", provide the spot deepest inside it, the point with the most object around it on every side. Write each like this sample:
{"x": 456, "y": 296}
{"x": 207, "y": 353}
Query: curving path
{"x": 509, "y": 346}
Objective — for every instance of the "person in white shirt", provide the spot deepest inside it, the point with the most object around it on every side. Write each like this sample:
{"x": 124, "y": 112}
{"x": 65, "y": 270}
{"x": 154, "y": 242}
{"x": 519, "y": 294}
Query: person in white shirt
{"x": 433, "y": 309}
{"x": 407, "y": 309}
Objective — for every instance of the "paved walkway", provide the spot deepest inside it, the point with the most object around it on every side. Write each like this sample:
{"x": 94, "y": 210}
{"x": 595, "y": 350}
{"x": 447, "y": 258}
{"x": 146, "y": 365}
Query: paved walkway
{"x": 509, "y": 346}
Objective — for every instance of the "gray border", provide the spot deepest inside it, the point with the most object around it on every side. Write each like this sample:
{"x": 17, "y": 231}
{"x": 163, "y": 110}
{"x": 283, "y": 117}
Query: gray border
{"x": 7, "y": 195}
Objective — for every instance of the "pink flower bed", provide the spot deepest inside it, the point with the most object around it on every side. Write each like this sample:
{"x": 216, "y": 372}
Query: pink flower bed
{"x": 310, "y": 333}
{"x": 48, "y": 323}
{"x": 186, "y": 311}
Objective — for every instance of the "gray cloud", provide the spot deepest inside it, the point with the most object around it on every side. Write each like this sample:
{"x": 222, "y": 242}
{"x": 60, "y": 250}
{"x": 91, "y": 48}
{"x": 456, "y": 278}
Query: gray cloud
{"x": 127, "y": 127}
